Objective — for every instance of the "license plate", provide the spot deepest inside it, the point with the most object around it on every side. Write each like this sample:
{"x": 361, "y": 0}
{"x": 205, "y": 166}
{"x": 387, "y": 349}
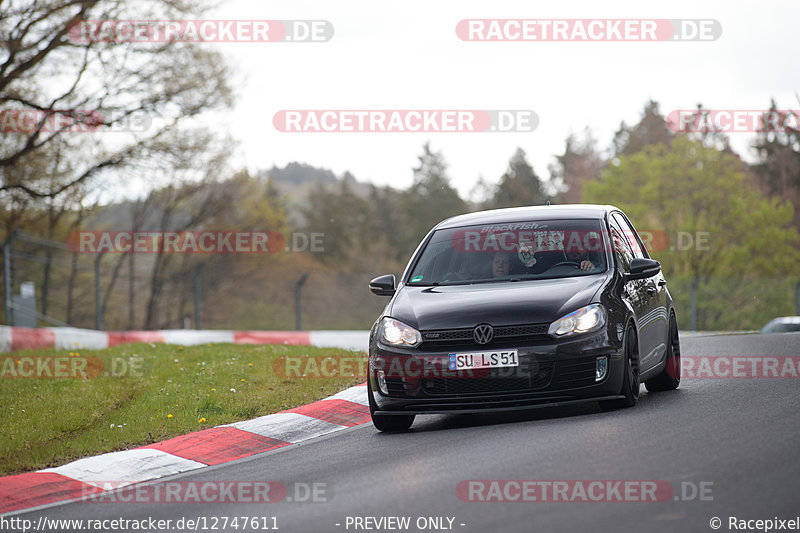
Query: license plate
{"x": 471, "y": 361}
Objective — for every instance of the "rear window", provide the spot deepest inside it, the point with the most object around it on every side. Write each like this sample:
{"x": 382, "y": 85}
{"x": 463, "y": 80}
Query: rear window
{"x": 515, "y": 251}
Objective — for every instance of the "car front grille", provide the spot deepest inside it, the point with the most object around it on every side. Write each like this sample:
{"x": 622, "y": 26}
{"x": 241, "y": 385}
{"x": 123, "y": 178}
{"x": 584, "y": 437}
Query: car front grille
{"x": 444, "y": 338}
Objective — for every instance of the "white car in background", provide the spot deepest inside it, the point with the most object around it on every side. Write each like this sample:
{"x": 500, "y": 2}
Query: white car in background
{"x": 784, "y": 324}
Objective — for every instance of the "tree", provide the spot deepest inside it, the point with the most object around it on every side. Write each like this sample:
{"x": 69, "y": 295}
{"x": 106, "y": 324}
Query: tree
{"x": 519, "y": 185}
{"x": 698, "y": 127}
{"x": 686, "y": 188}
{"x": 386, "y": 205}
{"x": 144, "y": 90}
{"x": 345, "y": 220}
{"x": 198, "y": 206}
{"x": 689, "y": 187}
{"x": 581, "y": 162}
{"x": 778, "y": 166}
{"x": 428, "y": 201}
{"x": 651, "y": 129}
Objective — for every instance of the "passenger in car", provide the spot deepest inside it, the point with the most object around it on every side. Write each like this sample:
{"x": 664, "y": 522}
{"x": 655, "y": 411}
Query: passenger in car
{"x": 501, "y": 264}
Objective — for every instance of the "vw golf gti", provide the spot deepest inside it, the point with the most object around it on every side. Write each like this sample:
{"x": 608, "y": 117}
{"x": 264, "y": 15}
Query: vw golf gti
{"x": 520, "y": 308}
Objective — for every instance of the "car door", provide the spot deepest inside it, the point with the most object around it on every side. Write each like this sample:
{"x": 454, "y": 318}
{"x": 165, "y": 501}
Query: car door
{"x": 653, "y": 325}
{"x": 634, "y": 291}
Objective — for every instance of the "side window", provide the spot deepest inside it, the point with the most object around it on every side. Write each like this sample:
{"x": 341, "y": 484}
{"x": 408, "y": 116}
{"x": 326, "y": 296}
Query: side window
{"x": 630, "y": 235}
{"x": 622, "y": 249}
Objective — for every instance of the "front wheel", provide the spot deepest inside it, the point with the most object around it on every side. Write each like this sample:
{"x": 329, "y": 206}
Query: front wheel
{"x": 630, "y": 378}
{"x": 670, "y": 377}
{"x": 387, "y": 422}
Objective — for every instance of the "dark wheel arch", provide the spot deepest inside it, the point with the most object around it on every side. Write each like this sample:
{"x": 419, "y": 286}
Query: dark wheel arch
{"x": 630, "y": 379}
{"x": 670, "y": 377}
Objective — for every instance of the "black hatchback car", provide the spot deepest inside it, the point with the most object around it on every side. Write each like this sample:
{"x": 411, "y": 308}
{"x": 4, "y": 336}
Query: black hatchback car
{"x": 519, "y": 308}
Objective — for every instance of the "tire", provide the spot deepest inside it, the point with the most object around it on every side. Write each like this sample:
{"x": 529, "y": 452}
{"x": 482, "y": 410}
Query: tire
{"x": 387, "y": 423}
{"x": 670, "y": 377}
{"x": 630, "y": 377}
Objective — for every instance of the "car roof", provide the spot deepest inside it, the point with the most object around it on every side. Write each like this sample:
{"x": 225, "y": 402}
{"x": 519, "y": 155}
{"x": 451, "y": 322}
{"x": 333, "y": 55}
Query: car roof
{"x": 786, "y": 320}
{"x": 522, "y": 214}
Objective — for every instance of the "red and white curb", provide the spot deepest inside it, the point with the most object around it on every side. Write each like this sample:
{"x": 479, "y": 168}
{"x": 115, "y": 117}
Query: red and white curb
{"x": 14, "y": 338}
{"x": 211, "y": 446}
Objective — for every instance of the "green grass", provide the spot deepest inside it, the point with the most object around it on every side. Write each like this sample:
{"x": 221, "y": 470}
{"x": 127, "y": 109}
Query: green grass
{"x": 48, "y": 422}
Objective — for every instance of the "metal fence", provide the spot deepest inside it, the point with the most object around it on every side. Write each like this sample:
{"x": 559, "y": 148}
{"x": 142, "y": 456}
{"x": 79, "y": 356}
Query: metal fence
{"x": 116, "y": 291}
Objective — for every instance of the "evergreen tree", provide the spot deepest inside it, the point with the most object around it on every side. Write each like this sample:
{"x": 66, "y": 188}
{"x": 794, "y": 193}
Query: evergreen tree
{"x": 519, "y": 185}
{"x": 651, "y": 129}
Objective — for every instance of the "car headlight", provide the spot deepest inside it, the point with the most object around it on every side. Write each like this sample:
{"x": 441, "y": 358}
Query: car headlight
{"x": 590, "y": 318}
{"x": 398, "y": 333}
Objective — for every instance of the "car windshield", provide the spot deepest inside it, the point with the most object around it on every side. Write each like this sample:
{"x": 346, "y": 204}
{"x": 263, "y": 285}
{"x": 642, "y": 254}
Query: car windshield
{"x": 513, "y": 251}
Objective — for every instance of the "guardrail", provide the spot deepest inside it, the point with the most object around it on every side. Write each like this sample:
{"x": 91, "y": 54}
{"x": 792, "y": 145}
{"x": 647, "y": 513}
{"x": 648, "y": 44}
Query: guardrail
{"x": 15, "y": 338}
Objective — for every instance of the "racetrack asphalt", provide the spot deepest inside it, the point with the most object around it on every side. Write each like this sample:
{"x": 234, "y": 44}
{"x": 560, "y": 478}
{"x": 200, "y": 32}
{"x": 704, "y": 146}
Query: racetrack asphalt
{"x": 728, "y": 448}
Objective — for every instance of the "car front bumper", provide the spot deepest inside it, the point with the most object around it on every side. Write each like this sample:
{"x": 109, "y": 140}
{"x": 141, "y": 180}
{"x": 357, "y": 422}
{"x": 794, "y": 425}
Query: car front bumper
{"x": 551, "y": 372}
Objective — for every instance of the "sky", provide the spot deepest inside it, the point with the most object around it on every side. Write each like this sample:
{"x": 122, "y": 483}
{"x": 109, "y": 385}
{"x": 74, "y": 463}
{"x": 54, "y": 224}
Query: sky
{"x": 406, "y": 55}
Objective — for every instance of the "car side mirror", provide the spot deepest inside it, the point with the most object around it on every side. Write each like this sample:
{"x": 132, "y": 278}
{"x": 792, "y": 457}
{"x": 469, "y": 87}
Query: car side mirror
{"x": 383, "y": 285}
{"x": 643, "y": 268}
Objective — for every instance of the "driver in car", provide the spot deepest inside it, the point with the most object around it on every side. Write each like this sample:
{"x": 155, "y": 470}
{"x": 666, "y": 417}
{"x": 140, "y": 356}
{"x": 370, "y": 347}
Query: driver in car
{"x": 582, "y": 258}
{"x": 583, "y": 254}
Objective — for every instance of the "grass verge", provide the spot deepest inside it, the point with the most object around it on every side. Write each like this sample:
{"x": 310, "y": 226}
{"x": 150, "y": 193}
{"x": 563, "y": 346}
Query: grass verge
{"x": 137, "y": 394}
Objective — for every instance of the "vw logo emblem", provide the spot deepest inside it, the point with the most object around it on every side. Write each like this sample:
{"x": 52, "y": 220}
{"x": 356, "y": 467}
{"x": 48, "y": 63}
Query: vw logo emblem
{"x": 483, "y": 333}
